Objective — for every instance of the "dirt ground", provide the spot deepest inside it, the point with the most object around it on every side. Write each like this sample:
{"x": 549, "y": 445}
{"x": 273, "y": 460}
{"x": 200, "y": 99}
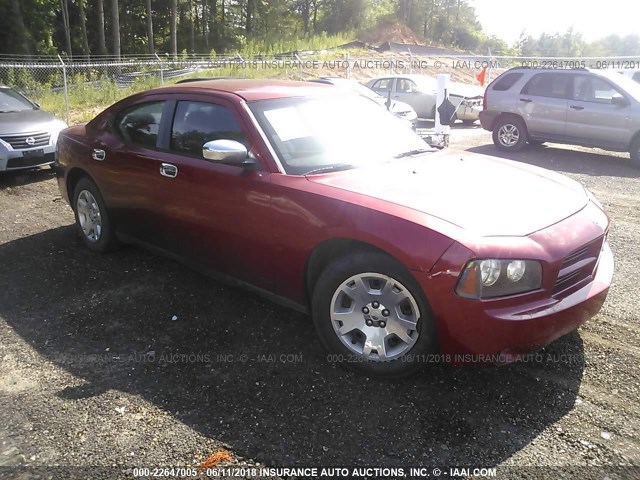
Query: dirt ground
{"x": 111, "y": 362}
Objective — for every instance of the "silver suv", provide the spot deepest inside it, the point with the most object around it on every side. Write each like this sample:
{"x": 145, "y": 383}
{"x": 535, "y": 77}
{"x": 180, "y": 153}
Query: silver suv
{"x": 593, "y": 108}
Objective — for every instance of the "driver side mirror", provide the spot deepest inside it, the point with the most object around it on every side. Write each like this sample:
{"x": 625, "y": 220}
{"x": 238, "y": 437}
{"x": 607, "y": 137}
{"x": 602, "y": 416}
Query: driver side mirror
{"x": 227, "y": 151}
{"x": 619, "y": 101}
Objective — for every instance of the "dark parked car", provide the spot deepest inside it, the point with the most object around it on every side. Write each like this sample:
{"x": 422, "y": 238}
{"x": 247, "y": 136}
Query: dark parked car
{"x": 325, "y": 202}
{"x": 28, "y": 135}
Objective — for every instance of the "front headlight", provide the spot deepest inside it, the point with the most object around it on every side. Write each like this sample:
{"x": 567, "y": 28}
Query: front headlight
{"x": 55, "y": 129}
{"x": 490, "y": 278}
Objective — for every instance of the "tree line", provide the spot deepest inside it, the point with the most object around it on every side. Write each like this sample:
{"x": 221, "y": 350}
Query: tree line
{"x": 113, "y": 27}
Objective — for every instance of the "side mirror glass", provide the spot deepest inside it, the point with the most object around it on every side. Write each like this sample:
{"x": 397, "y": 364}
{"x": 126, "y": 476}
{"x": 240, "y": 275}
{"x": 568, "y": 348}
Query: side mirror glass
{"x": 227, "y": 151}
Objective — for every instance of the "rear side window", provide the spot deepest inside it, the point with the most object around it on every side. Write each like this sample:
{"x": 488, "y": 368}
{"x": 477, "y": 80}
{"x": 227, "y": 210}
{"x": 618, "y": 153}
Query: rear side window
{"x": 196, "y": 123}
{"x": 384, "y": 84}
{"x": 505, "y": 82}
{"x": 139, "y": 124}
{"x": 552, "y": 85}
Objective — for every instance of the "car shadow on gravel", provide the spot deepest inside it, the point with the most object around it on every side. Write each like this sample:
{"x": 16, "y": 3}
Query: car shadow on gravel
{"x": 253, "y": 375}
{"x": 566, "y": 160}
{"x": 24, "y": 177}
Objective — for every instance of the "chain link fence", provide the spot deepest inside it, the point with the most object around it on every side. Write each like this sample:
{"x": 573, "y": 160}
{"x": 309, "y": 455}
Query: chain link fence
{"x": 76, "y": 90}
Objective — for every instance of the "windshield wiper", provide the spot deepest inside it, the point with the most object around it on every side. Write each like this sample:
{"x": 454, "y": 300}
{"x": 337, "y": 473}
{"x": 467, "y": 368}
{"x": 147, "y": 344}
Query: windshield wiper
{"x": 410, "y": 153}
{"x": 331, "y": 168}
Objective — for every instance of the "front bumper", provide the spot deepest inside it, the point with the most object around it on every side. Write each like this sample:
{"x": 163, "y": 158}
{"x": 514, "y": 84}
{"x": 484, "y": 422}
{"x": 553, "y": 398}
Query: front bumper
{"x": 497, "y": 330}
{"x": 468, "y": 113}
{"x": 488, "y": 118}
{"x": 11, "y": 160}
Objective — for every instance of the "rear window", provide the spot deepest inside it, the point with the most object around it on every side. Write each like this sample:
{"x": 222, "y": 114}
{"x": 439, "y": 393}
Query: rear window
{"x": 505, "y": 82}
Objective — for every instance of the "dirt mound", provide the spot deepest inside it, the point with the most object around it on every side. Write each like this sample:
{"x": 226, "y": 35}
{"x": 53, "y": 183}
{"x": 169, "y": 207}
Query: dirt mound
{"x": 392, "y": 32}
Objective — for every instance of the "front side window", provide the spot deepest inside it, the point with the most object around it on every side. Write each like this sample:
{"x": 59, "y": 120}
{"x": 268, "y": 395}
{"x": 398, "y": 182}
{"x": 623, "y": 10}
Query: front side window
{"x": 196, "y": 123}
{"x": 594, "y": 90}
{"x": 553, "y": 85}
{"x": 139, "y": 125}
{"x": 406, "y": 86}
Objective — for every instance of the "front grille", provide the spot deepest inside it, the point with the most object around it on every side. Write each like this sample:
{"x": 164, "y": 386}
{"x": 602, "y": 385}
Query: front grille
{"x": 578, "y": 267}
{"x": 29, "y": 140}
{"x": 27, "y": 162}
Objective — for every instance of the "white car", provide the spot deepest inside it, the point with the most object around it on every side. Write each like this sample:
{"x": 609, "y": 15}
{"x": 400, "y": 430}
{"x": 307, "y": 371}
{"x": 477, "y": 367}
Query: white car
{"x": 419, "y": 91}
{"x": 400, "y": 109}
{"x": 632, "y": 74}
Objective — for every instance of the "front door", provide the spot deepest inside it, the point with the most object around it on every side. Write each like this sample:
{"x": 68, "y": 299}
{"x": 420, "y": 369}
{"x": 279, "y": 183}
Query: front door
{"x": 592, "y": 118}
{"x": 215, "y": 215}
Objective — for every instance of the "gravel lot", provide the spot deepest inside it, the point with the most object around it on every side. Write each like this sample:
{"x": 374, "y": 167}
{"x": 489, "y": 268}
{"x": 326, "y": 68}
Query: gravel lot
{"x": 132, "y": 360}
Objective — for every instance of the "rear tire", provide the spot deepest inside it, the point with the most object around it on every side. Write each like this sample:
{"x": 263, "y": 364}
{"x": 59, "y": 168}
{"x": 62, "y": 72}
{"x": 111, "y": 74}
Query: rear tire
{"x": 372, "y": 315}
{"x": 509, "y": 134}
{"x": 634, "y": 152}
{"x": 92, "y": 217}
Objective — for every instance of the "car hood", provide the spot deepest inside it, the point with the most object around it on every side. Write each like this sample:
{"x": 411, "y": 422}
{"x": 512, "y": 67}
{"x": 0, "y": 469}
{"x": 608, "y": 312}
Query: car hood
{"x": 465, "y": 90}
{"x": 26, "y": 121}
{"x": 484, "y": 195}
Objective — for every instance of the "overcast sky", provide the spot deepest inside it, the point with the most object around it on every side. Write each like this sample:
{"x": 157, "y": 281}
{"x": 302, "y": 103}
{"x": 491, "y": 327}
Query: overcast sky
{"x": 506, "y": 19}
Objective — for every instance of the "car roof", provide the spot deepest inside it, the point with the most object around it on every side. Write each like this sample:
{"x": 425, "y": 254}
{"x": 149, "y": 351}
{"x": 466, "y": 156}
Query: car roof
{"x": 251, "y": 90}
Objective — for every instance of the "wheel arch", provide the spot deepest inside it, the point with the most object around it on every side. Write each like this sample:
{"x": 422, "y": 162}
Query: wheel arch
{"x": 507, "y": 115}
{"x": 329, "y": 250}
{"x": 634, "y": 138}
{"x": 73, "y": 177}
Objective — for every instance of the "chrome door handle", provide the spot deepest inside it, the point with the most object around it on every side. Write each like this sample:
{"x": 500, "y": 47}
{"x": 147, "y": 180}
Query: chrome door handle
{"x": 98, "y": 154}
{"x": 576, "y": 107}
{"x": 168, "y": 170}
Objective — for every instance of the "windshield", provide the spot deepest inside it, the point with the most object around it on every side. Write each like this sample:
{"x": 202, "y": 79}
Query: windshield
{"x": 630, "y": 86}
{"x": 334, "y": 132}
{"x": 12, "y": 101}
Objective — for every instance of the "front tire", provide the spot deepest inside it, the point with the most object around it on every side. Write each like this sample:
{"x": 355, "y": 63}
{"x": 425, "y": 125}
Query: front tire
{"x": 510, "y": 134}
{"x": 92, "y": 218}
{"x": 371, "y": 314}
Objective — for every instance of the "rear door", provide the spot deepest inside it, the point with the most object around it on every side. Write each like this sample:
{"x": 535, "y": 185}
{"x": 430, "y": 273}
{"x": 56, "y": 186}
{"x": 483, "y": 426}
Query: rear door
{"x": 125, "y": 160}
{"x": 543, "y": 104}
{"x": 592, "y": 118}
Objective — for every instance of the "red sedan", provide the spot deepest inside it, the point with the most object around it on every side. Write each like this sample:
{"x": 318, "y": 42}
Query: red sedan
{"x": 326, "y": 202}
